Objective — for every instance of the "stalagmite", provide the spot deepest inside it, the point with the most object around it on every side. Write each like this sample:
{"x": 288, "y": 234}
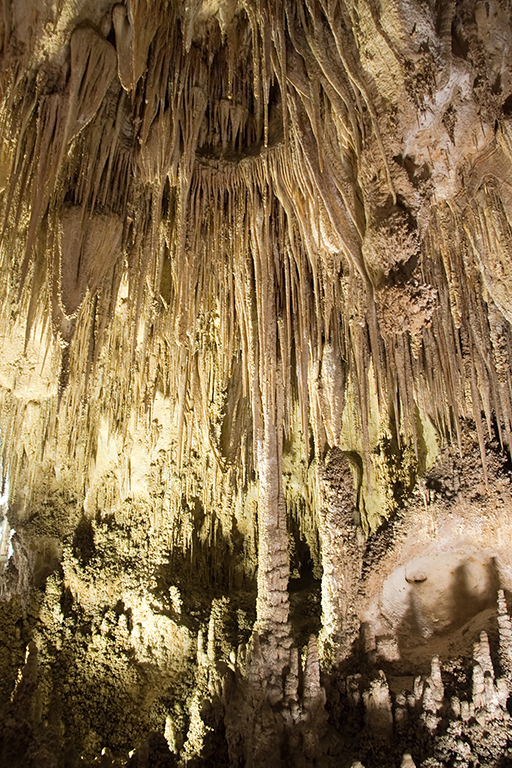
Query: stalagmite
{"x": 341, "y": 554}
{"x": 433, "y": 695}
{"x": 485, "y": 696}
{"x": 379, "y": 717}
{"x": 505, "y": 636}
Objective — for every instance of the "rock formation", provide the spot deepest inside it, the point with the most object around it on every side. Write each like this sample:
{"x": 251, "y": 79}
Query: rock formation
{"x": 255, "y": 383}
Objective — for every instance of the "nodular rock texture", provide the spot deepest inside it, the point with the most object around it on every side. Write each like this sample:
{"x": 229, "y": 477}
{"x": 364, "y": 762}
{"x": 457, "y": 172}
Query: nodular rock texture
{"x": 255, "y": 383}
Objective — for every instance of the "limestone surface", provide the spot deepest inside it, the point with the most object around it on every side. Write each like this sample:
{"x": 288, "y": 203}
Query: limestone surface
{"x": 255, "y": 383}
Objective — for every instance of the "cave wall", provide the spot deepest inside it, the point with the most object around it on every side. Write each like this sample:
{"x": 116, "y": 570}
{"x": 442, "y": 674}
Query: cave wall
{"x": 255, "y": 383}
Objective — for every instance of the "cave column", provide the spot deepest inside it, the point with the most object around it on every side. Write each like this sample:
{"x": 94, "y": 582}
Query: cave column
{"x": 273, "y": 567}
{"x": 271, "y": 668}
{"x": 271, "y": 646}
{"x": 272, "y": 606}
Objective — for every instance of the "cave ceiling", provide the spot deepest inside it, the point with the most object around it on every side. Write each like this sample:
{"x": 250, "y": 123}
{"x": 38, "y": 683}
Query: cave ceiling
{"x": 255, "y": 378}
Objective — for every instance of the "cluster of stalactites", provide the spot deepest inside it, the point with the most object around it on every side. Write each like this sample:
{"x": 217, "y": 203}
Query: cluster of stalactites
{"x": 176, "y": 152}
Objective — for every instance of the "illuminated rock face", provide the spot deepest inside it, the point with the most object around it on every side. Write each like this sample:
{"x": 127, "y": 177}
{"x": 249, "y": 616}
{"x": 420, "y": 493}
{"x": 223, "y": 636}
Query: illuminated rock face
{"x": 255, "y": 383}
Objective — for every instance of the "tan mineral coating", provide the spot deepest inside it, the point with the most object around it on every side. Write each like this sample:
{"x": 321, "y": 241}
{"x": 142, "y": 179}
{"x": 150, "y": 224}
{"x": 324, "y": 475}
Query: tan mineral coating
{"x": 255, "y": 383}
